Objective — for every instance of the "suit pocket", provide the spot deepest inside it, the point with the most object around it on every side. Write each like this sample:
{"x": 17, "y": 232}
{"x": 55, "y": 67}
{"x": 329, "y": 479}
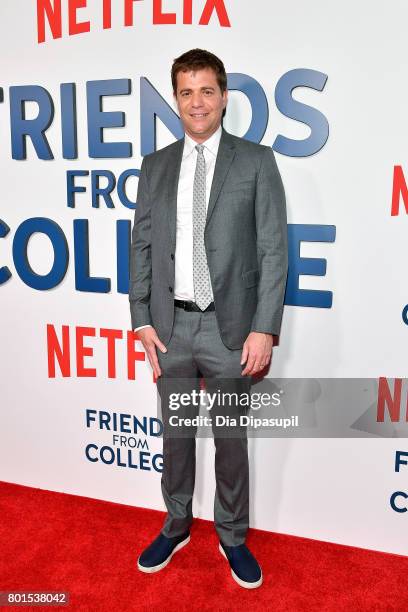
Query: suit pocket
{"x": 250, "y": 278}
{"x": 246, "y": 193}
{"x": 235, "y": 187}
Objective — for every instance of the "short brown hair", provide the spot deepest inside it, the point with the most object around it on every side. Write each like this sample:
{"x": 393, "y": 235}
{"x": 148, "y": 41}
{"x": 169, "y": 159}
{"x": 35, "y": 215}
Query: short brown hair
{"x": 197, "y": 59}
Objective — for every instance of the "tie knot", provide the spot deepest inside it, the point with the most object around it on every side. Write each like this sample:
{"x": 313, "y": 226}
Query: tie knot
{"x": 199, "y": 148}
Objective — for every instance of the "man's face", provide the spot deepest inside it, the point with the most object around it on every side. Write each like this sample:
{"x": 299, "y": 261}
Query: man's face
{"x": 200, "y": 102}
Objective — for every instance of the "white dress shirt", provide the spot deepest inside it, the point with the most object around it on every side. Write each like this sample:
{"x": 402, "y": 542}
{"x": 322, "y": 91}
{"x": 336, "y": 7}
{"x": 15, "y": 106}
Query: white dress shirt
{"x": 183, "y": 259}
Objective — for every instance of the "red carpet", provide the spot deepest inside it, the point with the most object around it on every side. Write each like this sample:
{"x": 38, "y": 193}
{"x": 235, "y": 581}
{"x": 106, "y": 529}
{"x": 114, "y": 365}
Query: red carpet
{"x": 52, "y": 541}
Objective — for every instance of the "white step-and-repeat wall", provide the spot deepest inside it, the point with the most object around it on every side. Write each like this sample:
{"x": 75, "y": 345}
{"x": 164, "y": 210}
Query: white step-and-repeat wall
{"x": 85, "y": 93}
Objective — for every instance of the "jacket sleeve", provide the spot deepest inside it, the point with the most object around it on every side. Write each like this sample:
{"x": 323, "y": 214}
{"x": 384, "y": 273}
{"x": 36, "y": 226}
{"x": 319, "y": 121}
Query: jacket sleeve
{"x": 272, "y": 247}
{"x": 140, "y": 255}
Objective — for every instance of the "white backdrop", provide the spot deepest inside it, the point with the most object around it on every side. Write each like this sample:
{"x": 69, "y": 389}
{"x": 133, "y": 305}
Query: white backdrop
{"x": 336, "y": 490}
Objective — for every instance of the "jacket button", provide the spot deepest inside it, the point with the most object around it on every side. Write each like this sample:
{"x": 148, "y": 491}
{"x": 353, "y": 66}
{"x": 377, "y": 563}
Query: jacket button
{"x": 172, "y": 256}
{"x": 171, "y": 289}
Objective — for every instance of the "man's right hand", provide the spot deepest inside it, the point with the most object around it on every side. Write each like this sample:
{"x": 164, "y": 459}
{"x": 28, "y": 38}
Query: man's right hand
{"x": 150, "y": 340}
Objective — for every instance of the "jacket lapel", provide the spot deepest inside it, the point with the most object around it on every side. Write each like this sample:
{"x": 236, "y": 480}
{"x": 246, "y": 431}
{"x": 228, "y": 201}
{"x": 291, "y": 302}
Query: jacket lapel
{"x": 173, "y": 173}
{"x": 225, "y": 155}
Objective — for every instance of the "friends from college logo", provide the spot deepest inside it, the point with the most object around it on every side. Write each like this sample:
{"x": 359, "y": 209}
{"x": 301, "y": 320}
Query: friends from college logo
{"x": 125, "y": 440}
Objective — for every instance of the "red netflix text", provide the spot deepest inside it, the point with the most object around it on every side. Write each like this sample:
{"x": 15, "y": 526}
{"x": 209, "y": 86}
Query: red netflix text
{"x": 50, "y": 13}
{"x": 399, "y": 191}
{"x": 390, "y": 400}
{"x": 65, "y": 343}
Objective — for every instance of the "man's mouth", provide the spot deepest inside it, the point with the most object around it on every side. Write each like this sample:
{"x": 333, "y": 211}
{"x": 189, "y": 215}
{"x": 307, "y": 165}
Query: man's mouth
{"x": 199, "y": 115}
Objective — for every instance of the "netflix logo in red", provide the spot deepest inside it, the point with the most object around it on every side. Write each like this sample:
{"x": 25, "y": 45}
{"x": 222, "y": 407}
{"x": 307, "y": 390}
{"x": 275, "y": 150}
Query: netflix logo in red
{"x": 70, "y": 352}
{"x": 50, "y": 15}
{"x": 399, "y": 191}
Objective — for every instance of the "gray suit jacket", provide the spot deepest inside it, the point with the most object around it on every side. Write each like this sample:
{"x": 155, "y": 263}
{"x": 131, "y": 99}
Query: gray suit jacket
{"x": 245, "y": 240}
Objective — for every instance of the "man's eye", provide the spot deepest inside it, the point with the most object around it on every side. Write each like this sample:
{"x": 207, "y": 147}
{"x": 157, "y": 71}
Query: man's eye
{"x": 208, "y": 92}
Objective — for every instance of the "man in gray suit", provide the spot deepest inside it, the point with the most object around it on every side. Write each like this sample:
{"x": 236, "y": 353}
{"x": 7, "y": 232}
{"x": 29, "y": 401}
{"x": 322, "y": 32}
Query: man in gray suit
{"x": 207, "y": 282}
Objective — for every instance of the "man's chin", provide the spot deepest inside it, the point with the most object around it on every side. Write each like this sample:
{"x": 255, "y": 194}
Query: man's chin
{"x": 200, "y": 131}
{"x": 197, "y": 129}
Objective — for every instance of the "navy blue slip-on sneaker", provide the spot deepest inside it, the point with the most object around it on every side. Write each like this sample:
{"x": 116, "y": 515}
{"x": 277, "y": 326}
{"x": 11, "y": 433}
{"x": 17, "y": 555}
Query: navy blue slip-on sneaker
{"x": 245, "y": 568}
{"x": 159, "y": 553}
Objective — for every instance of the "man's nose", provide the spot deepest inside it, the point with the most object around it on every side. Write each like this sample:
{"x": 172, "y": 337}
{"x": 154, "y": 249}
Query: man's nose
{"x": 197, "y": 100}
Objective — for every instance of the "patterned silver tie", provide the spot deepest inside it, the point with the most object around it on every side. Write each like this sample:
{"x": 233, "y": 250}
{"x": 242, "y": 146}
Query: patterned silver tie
{"x": 202, "y": 290}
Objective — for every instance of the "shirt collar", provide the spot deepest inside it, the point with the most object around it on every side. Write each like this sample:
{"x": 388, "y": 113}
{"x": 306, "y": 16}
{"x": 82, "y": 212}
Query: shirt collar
{"x": 211, "y": 143}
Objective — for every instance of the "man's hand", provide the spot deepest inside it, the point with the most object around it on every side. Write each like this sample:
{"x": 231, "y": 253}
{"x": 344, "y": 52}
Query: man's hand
{"x": 150, "y": 340}
{"x": 256, "y": 352}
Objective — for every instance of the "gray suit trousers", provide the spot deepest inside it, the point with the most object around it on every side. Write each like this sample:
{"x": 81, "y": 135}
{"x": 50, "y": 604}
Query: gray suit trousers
{"x": 195, "y": 349}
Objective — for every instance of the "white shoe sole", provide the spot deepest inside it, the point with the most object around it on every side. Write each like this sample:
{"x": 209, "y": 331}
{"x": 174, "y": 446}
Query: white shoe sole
{"x": 242, "y": 583}
{"x": 157, "y": 568}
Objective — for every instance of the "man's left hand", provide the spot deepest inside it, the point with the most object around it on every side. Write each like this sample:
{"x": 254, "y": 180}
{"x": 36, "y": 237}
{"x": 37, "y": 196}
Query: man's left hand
{"x": 256, "y": 352}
